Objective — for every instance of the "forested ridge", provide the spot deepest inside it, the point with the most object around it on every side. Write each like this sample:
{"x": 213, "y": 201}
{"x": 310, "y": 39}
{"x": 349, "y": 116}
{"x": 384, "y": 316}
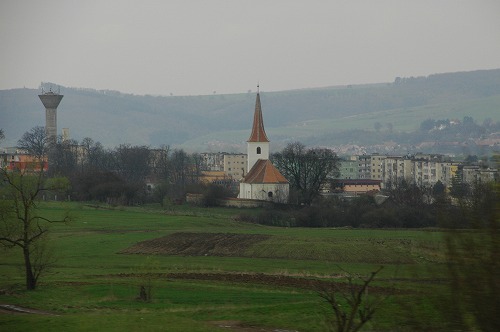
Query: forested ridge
{"x": 322, "y": 116}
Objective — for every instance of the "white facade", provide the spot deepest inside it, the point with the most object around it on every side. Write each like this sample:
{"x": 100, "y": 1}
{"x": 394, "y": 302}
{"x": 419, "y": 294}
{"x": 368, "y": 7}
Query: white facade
{"x": 275, "y": 192}
{"x": 256, "y": 151}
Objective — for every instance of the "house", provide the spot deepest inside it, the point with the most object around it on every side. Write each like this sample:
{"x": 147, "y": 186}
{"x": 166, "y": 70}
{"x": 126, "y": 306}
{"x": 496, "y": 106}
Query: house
{"x": 263, "y": 181}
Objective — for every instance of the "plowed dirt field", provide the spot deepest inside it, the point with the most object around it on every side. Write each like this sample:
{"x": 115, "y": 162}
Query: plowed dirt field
{"x": 197, "y": 244}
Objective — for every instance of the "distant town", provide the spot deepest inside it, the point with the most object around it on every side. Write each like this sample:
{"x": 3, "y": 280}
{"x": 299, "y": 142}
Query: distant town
{"x": 353, "y": 174}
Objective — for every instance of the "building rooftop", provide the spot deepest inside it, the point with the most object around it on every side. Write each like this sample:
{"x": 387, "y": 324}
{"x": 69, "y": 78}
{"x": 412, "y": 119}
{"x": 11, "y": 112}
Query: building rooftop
{"x": 258, "y": 133}
{"x": 264, "y": 172}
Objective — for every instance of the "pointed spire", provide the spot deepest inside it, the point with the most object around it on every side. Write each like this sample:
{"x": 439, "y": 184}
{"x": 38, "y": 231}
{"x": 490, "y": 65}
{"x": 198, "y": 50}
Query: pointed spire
{"x": 258, "y": 132}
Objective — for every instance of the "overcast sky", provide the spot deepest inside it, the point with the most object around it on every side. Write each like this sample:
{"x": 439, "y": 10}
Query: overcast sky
{"x": 190, "y": 47}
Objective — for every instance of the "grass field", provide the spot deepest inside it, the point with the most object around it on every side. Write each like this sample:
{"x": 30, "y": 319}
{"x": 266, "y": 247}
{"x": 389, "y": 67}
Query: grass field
{"x": 264, "y": 283}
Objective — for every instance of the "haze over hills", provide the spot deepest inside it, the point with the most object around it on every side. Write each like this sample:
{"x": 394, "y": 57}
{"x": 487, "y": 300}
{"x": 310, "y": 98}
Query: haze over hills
{"x": 357, "y": 114}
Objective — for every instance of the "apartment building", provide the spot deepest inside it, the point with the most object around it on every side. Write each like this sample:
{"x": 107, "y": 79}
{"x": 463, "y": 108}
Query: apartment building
{"x": 473, "y": 174}
{"x": 349, "y": 168}
{"x": 213, "y": 161}
{"x": 235, "y": 166}
{"x": 370, "y": 166}
{"x": 396, "y": 169}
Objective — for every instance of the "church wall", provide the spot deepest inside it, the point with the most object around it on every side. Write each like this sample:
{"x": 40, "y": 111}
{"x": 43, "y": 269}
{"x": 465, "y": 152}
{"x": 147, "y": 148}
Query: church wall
{"x": 245, "y": 191}
{"x": 260, "y": 191}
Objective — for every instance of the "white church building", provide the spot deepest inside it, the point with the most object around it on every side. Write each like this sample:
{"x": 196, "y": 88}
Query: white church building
{"x": 263, "y": 181}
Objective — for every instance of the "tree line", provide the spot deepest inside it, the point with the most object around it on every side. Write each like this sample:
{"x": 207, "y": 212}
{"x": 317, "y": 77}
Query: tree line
{"x": 401, "y": 205}
{"x": 124, "y": 175}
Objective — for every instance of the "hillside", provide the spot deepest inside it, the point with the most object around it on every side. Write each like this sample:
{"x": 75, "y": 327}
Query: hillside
{"x": 222, "y": 122}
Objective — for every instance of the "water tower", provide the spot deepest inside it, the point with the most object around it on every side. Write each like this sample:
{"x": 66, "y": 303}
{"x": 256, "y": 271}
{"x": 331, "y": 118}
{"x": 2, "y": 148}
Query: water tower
{"x": 51, "y": 100}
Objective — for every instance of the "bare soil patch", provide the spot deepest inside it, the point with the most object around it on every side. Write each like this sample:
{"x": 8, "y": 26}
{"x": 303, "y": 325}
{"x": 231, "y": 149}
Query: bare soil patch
{"x": 197, "y": 244}
{"x": 240, "y": 327}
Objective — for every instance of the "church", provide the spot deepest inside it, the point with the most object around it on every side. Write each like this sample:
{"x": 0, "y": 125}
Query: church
{"x": 263, "y": 181}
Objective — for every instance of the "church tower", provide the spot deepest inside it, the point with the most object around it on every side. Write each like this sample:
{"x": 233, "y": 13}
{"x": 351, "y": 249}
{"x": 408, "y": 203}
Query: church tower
{"x": 263, "y": 181}
{"x": 258, "y": 143}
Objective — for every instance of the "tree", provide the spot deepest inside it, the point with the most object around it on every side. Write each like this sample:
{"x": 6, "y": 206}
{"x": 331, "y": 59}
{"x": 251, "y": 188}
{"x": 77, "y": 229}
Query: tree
{"x": 21, "y": 224}
{"x": 358, "y": 309}
{"x": 63, "y": 157}
{"x": 35, "y": 142}
{"x": 438, "y": 189}
{"x": 306, "y": 169}
{"x": 133, "y": 162}
{"x": 473, "y": 259}
{"x": 94, "y": 157}
{"x": 179, "y": 163}
{"x": 408, "y": 194}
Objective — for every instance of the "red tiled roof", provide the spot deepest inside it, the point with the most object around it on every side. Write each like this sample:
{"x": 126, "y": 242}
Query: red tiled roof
{"x": 258, "y": 133}
{"x": 264, "y": 172}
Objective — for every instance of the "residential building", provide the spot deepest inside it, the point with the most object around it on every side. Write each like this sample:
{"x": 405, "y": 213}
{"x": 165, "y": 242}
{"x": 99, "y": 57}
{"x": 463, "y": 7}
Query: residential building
{"x": 213, "y": 161}
{"x": 396, "y": 169}
{"x": 17, "y": 159}
{"x": 235, "y": 166}
{"x": 371, "y": 166}
{"x": 349, "y": 168}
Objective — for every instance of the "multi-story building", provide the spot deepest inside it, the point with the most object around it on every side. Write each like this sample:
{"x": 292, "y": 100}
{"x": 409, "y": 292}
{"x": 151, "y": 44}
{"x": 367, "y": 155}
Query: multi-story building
{"x": 235, "y": 166}
{"x": 489, "y": 175}
{"x": 396, "y": 169}
{"x": 377, "y": 166}
{"x": 449, "y": 171}
{"x": 421, "y": 169}
{"x": 425, "y": 171}
{"x": 474, "y": 174}
{"x": 17, "y": 159}
{"x": 213, "y": 161}
{"x": 370, "y": 166}
{"x": 470, "y": 174}
{"x": 365, "y": 167}
{"x": 349, "y": 168}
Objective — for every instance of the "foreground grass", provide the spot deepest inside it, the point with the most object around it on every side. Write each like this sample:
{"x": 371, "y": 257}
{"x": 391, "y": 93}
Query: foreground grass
{"x": 88, "y": 290}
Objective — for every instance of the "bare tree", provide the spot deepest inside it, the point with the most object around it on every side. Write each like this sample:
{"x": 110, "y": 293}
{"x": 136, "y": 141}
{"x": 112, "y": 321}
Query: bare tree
{"x": 306, "y": 169}
{"x": 133, "y": 162}
{"x": 94, "y": 156}
{"x": 352, "y": 307}
{"x": 21, "y": 224}
{"x": 179, "y": 163}
{"x": 63, "y": 157}
{"x": 35, "y": 142}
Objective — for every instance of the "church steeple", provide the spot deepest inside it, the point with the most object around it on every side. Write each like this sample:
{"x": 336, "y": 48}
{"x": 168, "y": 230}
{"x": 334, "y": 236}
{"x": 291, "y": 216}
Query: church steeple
{"x": 258, "y": 133}
{"x": 263, "y": 181}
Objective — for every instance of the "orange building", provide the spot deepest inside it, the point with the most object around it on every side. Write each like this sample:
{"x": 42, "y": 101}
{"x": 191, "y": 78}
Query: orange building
{"x": 14, "y": 159}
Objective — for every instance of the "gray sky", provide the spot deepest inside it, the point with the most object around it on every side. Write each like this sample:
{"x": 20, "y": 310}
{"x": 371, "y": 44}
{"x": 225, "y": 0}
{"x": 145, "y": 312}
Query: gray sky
{"x": 196, "y": 47}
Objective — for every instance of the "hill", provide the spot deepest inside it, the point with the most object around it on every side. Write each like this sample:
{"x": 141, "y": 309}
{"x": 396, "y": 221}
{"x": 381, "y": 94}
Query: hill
{"x": 321, "y": 116}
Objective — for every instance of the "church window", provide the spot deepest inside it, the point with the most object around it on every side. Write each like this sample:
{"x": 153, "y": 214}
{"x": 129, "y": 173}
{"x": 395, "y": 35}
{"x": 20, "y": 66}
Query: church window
{"x": 258, "y": 150}
{"x": 270, "y": 194}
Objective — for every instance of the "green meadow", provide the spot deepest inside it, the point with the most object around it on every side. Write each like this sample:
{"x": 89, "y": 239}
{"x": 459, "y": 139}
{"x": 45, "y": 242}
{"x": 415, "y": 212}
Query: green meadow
{"x": 257, "y": 286}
